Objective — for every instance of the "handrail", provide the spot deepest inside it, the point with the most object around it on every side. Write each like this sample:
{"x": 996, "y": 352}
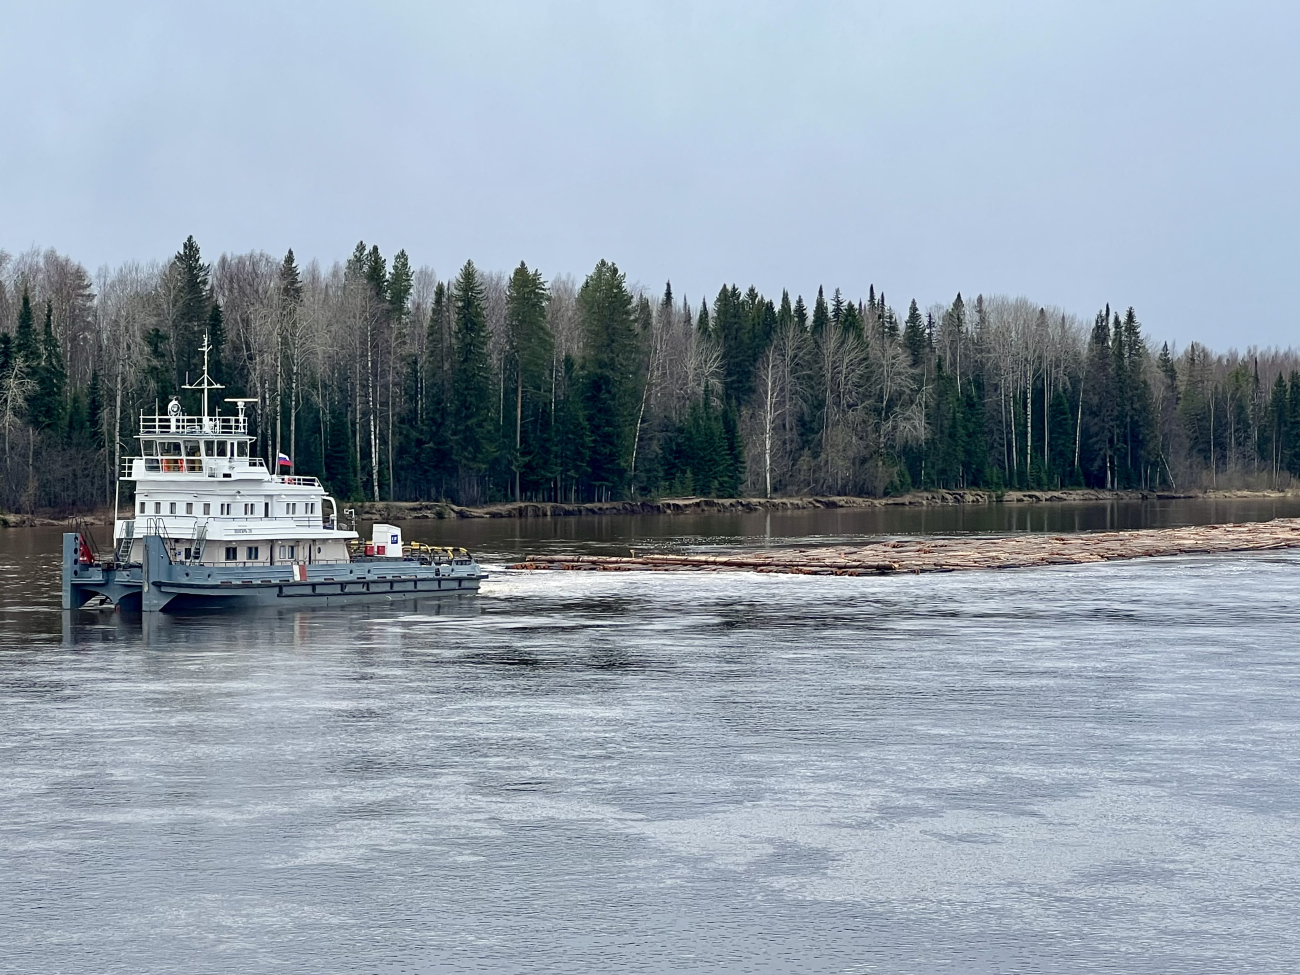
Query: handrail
{"x": 188, "y": 425}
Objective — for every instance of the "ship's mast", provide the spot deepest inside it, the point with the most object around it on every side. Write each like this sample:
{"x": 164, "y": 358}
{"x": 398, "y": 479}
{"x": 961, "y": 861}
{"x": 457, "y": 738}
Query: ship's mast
{"x": 205, "y": 381}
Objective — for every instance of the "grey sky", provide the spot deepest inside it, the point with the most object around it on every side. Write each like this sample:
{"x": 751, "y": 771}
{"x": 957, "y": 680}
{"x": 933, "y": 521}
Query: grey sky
{"x": 1136, "y": 153}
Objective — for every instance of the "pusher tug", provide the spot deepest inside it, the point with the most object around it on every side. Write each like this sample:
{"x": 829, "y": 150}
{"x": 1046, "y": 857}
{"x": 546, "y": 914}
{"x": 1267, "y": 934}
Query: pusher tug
{"x": 213, "y": 527}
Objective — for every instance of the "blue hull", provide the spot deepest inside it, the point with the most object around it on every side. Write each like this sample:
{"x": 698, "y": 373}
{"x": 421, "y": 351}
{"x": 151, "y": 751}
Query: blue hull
{"x": 159, "y": 584}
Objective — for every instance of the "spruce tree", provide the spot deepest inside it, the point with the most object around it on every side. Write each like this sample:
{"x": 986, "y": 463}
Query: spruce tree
{"x": 471, "y": 428}
{"x": 801, "y": 313}
{"x": 216, "y": 331}
{"x": 611, "y": 379}
{"x": 190, "y": 310}
{"x": 820, "y": 314}
{"x": 851, "y": 319}
{"x": 26, "y": 349}
{"x": 530, "y": 349}
{"x": 45, "y": 403}
{"x": 784, "y": 314}
{"x": 1097, "y": 446}
{"x": 399, "y": 286}
{"x": 290, "y": 280}
{"x": 914, "y": 334}
{"x": 375, "y": 269}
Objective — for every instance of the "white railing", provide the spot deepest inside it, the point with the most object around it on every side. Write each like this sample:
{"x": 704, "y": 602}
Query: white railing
{"x": 161, "y": 423}
{"x": 299, "y": 480}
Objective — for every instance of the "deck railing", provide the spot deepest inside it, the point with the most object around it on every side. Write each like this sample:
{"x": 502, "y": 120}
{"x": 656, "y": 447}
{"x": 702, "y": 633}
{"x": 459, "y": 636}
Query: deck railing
{"x": 183, "y": 424}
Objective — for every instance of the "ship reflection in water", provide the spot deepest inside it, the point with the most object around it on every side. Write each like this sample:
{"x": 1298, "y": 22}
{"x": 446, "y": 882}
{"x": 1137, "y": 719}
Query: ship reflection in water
{"x": 1084, "y": 768}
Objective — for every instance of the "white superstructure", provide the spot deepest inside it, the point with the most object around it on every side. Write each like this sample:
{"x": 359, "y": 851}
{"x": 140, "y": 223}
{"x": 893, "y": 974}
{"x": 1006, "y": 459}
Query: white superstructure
{"x": 199, "y": 488}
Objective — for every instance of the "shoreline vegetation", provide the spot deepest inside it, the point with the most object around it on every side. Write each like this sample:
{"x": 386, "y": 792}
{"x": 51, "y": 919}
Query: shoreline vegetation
{"x": 390, "y": 382}
{"x": 1029, "y": 550}
{"x": 429, "y": 510}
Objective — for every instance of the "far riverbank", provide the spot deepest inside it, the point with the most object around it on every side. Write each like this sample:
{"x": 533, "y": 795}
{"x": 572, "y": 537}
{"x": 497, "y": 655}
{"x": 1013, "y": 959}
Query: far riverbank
{"x": 370, "y": 511}
{"x": 418, "y": 510}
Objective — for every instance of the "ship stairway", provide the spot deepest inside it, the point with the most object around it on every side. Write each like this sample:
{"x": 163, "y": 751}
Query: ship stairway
{"x": 123, "y": 553}
{"x": 200, "y": 540}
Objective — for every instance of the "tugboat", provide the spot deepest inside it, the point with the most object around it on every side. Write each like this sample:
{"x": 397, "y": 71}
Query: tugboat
{"x": 213, "y": 527}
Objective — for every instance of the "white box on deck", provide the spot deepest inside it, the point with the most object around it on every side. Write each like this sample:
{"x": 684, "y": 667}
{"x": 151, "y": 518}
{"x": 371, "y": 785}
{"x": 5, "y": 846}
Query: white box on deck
{"x": 387, "y": 540}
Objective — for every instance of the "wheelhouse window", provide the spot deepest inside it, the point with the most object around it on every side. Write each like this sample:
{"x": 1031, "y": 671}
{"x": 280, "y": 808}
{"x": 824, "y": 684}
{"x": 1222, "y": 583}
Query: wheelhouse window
{"x": 241, "y": 448}
{"x": 221, "y": 448}
{"x": 169, "y": 448}
{"x": 192, "y": 449}
{"x": 252, "y": 553}
{"x": 209, "y": 448}
{"x": 232, "y": 553}
{"x": 149, "y": 448}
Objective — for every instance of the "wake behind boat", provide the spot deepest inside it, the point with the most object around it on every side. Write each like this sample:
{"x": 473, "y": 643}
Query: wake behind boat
{"x": 214, "y": 527}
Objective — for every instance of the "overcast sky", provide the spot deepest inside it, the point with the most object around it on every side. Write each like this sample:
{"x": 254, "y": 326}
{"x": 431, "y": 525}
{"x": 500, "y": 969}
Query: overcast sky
{"x": 1131, "y": 153}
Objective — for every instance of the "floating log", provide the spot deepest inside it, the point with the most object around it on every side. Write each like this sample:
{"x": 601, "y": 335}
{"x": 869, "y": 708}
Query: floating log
{"x": 934, "y": 554}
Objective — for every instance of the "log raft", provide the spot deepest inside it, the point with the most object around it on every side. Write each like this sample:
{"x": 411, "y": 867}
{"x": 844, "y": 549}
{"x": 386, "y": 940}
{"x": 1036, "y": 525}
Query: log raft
{"x": 939, "y": 554}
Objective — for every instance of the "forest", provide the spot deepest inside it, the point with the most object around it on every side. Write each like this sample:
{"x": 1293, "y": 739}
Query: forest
{"x": 390, "y": 383}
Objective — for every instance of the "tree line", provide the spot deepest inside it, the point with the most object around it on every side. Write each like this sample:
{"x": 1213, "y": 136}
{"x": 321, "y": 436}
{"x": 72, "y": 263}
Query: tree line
{"x": 390, "y": 383}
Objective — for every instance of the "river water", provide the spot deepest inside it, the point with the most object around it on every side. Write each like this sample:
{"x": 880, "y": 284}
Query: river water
{"x": 1081, "y": 768}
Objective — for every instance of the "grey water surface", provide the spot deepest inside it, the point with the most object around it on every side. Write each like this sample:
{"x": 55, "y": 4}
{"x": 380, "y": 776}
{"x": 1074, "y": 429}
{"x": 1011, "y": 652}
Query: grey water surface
{"x": 1075, "y": 769}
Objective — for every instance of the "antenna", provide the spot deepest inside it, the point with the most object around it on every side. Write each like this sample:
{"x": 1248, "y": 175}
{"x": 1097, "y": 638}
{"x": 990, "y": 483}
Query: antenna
{"x": 205, "y": 381}
{"x": 241, "y": 403}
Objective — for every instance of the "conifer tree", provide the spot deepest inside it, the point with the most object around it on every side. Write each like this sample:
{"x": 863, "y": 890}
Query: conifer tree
{"x": 189, "y": 311}
{"x": 216, "y": 331}
{"x": 26, "y": 349}
{"x": 837, "y": 308}
{"x": 914, "y": 334}
{"x": 851, "y": 319}
{"x": 530, "y": 349}
{"x": 399, "y": 285}
{"x": 45, "y": 404}
{"x": 375, "y": 269}
{"x": 820, "y": 314}
{"x": 784, "y": 314}
{"x": 471, "y": 428}
{"x": 611, "y": 380}
{"x": 801, "y": 313}
{"x": 1099, "y": 406}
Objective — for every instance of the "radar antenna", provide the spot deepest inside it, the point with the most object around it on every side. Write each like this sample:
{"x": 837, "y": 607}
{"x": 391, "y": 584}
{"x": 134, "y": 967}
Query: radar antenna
{"x": 205, "y": 381}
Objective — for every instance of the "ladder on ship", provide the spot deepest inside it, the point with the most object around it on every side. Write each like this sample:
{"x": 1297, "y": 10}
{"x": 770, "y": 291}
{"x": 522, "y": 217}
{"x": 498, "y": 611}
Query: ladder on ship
{"x": 200, "y": 540}
{"x": 123, "y": 553}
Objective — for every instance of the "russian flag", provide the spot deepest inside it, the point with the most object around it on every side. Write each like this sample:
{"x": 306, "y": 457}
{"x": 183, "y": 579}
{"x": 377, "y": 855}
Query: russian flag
{"x": 283, "y": 460}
